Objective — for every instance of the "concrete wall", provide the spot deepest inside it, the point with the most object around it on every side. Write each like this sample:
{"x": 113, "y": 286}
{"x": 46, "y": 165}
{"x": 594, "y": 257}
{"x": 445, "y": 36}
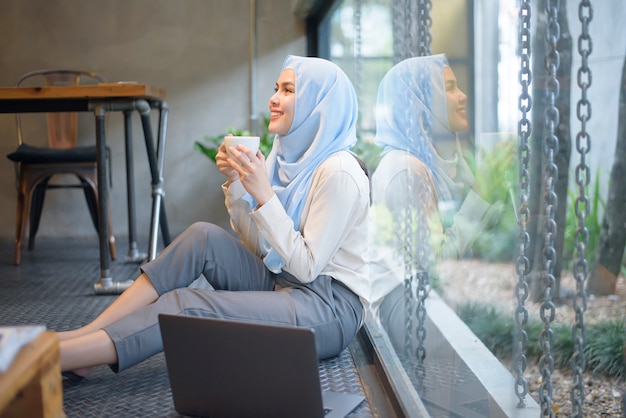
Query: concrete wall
{"x": 198, "y": 50}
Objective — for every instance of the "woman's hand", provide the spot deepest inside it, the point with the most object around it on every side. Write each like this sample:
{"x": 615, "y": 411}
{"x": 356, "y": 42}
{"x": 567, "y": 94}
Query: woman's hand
{"x": 222, "y": 162}
{"x": 252, "y": 173}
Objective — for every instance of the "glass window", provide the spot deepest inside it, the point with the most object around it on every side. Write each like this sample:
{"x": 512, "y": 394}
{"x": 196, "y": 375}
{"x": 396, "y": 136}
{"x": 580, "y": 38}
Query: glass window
{"x": 440, "y": 135}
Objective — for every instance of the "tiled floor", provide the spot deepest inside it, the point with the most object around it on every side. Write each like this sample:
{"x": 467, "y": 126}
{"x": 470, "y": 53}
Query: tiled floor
{"x": 54, "y": 286}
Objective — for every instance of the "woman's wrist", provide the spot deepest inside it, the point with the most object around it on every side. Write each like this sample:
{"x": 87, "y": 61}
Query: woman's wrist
{"x": 264, "y": 198}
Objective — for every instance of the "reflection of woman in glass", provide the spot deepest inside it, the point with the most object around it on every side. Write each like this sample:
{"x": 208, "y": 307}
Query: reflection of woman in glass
{"x": 421, "y": 175}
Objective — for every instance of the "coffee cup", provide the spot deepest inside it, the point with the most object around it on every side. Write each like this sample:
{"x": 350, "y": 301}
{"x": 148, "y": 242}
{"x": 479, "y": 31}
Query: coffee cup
{"x": 250, "y": 142}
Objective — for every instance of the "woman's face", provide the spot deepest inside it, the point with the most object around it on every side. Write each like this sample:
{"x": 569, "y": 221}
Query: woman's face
{"x": 282, "y": 103}
{"x": 455, "y": 100}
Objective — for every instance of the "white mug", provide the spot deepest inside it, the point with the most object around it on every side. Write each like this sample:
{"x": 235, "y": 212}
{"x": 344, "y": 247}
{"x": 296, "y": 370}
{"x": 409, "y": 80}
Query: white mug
{"x": 250, "y": 142}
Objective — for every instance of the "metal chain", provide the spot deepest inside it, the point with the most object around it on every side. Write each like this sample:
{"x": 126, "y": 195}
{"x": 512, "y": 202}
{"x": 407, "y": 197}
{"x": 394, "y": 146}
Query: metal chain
{"x": 424, "y": 22}
{"x": 417, "y": 259}
{"x": 402, "y": 15}
{"x": 411, "y": 28}
{"x": 397, "y": 12}
{"x": 358, "y": 62}
{"x": 581, "y": 270}
{"x": 421, "y": 236}
{"x": 551, "y": 146}
{"x": 423, "y": 262}
{"x": 409, "y": 301}
{"x": 422, "y": 265}
{"x": 407, "y": 237}
{"x": 522, "y": 266}
{"x": 410, "y": 36}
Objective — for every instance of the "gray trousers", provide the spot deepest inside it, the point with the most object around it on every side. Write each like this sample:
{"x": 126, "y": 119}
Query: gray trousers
{"x": 245, "y": 290}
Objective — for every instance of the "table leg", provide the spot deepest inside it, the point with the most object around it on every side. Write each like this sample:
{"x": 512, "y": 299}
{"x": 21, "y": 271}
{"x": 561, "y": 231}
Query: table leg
{"x": 155, "y": 159}
{"x": 163, "y": 113}
{"x": 133, "y": 252}
{"x": 103, "y": 223}
{"x": 105, "y": 285}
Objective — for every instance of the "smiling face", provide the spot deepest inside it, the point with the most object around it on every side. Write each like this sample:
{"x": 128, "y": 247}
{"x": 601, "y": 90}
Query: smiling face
{"x": 282, "y": 103}
{"x": 455, "y": 101}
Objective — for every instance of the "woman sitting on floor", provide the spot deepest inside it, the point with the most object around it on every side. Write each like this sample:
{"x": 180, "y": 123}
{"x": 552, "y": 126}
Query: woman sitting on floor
{"x": 301, "y": 222}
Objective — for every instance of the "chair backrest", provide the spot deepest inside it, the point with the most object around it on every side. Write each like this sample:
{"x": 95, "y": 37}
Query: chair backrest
{"x": 62, "y": 127}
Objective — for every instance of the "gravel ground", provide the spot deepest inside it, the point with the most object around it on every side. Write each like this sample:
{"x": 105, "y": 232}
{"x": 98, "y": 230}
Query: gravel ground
{"x": 472, "y": 280}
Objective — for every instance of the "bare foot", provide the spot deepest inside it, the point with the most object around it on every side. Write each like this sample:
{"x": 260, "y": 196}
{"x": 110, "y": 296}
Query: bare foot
{"x": 77, "y": 374}
{"x": 83, "y": 372}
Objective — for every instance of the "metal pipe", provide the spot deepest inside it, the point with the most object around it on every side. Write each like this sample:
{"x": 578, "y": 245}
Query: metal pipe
{"x": 133, "y": 252}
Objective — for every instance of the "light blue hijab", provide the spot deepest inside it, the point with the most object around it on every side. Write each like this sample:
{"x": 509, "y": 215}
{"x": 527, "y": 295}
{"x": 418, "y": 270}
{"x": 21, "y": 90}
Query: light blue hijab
{"x": 324, "y": 123}
{"x": 411, "y": 115}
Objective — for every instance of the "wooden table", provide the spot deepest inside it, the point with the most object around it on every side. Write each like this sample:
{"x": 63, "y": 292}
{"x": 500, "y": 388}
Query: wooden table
{"x": 32, "y": 387}
{"x": 102, "y": 98}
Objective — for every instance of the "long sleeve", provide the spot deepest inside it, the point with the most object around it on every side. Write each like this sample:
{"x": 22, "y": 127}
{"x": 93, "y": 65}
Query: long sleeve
{"x": 333, "y": 234}
{"x": 239, "y": 210}
{"x": 334, "y": 217}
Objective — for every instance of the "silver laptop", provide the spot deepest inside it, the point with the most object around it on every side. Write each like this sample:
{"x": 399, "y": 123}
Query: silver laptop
{"x": 223, "y": 368}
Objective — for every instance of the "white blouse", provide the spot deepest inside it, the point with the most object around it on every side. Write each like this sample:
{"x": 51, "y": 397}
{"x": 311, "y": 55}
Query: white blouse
{"x": 333, "y": 234}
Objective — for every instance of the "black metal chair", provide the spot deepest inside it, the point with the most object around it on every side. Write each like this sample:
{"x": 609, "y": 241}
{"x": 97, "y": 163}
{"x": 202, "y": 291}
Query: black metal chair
{"x": 35, "y": 165}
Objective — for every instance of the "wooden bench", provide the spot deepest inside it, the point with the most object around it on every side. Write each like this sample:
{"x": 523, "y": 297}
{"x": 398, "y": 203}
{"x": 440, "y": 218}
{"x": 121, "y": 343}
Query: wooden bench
{"x": 32, "y": 386}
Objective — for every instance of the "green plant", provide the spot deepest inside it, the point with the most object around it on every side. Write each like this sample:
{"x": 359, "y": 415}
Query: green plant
{"x": 210, "y": 144}
{"x": 604, "y": 341}
{"x": 368, "y": 152}
{"x": 604, "y": 348}
{"x": 492, "y": 328}
{"x": 496, "y": 182}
